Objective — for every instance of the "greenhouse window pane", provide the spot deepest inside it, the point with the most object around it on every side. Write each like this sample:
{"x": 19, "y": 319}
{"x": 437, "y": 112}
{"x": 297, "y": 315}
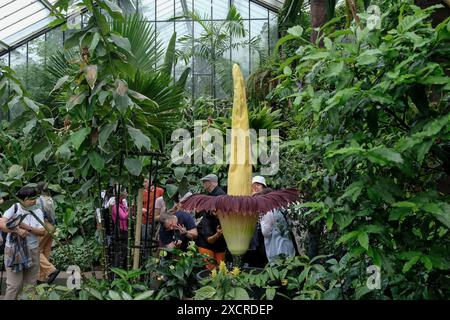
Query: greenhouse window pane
{"x": 243, "y": 7}
{"x": 19, "y": 61}
{"x": 273, "y": 31}
{"x": 14, "y": 10}
{"x": 181, "y": 6}
{"x": 54, "y": 42}
{"x": 257, "y": 12}
{"x": 39, "y": 82}
{"x": 21, "y": 19}
{"x": 220, "y": 9}
{"x": 258, "y": 29}
{"x": 147, "y": 9}
{"x": 164, "y": 10}
{"x": 165, "y": 31}
{"x": 4, "y": 59}
{"x": 202, "y": 85}
{"x": 203, "y": 8}
{"x": 273, "y": 4}
{"x": 241, "y": 53}
{"x": 26, "y": 32}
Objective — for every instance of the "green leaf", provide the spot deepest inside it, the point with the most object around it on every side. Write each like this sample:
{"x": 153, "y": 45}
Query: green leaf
{"x": 113, "y": 9}
{"x": 343, "y": 220}
{"x": 170, "y": 55}
{"x": 31, "y": 104}
{"x": 296, "y": 31}
{"x": 240, "y": 294}
{"x": 101, "y": 20}
{"x": 179, "y": 172}
{"x": 363, "y": 239}
{"x": 328, "y": 44}
{"x": 29, "y": 126}
{"x": 204, "y": 293}
{"x": 427, "y": 262}
{"x": 120, "y": 96}
{"x": 408, "y": 265}
{"x": 15, "y": 172}
{"x": 354, "y": 190}
{"x": 114, "y": 295}
{"x": 368, "y": 57}
{"x": 64, "y": 151}
{"x": 423, "y": 148}
{"x": 95, "y": 293}
{"x": 361, "y": 291}
{"x": 332, "y": 294}
{"x": 440, "y": 210}
{"x": 96, "y": 161}
{"x": 59, "y": 83}
{"x": 287, "y": 71}
{"x": 102, "y": 97}
{"x": 38, "y": 157}
{"x": 144, "y": 295}
{"x": 94, "y": 43}
{"x": 140, "y": 140}
{"x": 383, "y": 155}
{"x": 435, "y": 80}
{"x": 73, "y": 40}
{"x": 171, "y": 190}
{"x": 335, "y": 69}
{"x": 77, "y": 138}
{"x": 346, "y": 237}
{"x": 317, "y": 55}
{"x": 76, "y": 100}
{"x": 105, "y": 132}
{"x": 405, "y": 204}
{"x": 56, "y": 22}
{"x": 133, "y": 165}
{"x": 270, "y": 293}
{"x": 329, "y": 222}
{"x": 121, "y": 42}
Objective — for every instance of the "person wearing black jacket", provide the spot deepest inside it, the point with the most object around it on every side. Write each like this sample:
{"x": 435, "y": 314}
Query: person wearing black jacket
{"x": 210, "y": 239}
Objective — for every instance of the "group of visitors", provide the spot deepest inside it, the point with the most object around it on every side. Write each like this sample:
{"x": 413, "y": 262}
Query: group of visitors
{"x": 27, "y": 243}
{"x": 177, "y": 227}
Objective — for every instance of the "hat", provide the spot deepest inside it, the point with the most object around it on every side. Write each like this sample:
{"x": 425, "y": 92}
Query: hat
{"x": 210, "y": 177}
{"x": 260, "y": 180}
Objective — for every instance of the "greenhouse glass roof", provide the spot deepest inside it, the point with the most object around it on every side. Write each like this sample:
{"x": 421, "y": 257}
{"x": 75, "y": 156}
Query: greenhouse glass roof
{"x": 22, "y": 19}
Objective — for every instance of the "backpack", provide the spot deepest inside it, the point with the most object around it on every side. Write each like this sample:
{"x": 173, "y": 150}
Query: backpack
{"x": 48, "y": 208}
{"x": 3, "y": 239}
{"x": 290, "y": 226}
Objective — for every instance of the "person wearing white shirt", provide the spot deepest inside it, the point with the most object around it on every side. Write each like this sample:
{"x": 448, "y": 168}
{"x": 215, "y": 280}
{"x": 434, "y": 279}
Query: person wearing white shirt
{"x": 30, "y": 229}
{"x": 275, "y": 230}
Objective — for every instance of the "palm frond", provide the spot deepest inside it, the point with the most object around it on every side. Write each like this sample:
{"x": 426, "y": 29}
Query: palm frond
{"x": 142, "y": 35}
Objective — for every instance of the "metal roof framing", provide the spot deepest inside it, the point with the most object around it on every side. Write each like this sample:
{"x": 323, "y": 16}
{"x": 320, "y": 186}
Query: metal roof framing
{"x": 265, "y": 4}
{"x": 269, "y": 5}
{"x": 47, "y": 4}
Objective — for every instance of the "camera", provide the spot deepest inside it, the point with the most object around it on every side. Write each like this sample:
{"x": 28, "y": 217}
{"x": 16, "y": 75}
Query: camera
{"x": 176, "y": 235}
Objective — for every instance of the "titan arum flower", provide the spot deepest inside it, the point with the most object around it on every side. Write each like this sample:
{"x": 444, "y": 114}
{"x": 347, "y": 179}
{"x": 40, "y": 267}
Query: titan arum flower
{"x": 238, "y": 211}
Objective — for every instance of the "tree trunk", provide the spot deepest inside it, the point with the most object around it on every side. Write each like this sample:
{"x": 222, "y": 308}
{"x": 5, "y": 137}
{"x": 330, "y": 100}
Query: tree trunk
{"x": 319, "y": 16}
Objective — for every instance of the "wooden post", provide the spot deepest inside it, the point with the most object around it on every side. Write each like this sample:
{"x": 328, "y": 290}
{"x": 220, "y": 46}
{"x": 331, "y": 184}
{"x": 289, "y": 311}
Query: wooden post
{"x": 137, "y": 239}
